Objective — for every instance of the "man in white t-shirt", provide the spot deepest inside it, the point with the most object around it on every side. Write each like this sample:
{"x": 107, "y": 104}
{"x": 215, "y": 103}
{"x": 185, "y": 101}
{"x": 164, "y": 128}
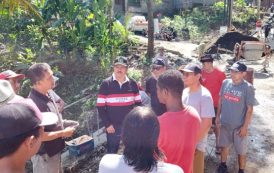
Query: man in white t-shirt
{"x": 200, "y": 98}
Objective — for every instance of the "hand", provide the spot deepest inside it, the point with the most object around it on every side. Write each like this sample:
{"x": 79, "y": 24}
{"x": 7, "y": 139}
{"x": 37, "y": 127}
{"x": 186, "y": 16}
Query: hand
{"x": 110, "y": 129}
{"x": 67, "y": 132}
{"x": 243, "y": 132}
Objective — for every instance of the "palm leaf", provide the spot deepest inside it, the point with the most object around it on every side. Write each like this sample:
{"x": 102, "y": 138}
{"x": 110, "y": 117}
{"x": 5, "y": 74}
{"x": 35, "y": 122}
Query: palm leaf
{"x": 26, "y": 5}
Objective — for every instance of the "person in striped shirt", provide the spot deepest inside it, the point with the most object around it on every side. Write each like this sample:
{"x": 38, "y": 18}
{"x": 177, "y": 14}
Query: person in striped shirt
{"x": 117, "y": 96}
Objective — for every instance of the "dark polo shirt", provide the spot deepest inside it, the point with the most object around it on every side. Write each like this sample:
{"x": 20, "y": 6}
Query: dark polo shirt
{"x": 46, "y": 104}
{"x": 151, "y": 89}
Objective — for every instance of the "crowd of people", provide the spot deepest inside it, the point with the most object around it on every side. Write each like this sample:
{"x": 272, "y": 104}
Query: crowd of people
{"x": 167, "y": 135}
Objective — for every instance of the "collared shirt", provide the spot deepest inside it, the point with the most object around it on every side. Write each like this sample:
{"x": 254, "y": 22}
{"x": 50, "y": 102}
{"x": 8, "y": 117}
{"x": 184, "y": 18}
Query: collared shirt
{"x": 114, "y": 78}
{"x": 46, "y": 104}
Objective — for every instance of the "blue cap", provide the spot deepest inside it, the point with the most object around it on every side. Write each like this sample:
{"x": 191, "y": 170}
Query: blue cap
{"x": 238, "y": 66}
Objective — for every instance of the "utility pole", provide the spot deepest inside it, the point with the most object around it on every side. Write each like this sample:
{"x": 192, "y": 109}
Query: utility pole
{"x": 259, "y": 8}
{"x": 225, "y": 12}
{"x": 230, "y": 7}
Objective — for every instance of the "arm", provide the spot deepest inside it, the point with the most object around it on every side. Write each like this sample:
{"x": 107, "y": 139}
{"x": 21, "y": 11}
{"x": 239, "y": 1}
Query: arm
{"x": 207, "y": 112}
{"x": 102, "y": 103}
{"x": 65, "y": 133}
{"x": 204, "y": 128}
{"x": 217, "y": 121}
{"x": 248, "y": 116}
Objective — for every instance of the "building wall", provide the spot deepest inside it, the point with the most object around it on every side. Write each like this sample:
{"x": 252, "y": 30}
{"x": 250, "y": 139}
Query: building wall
{"x": 267, "y": 3}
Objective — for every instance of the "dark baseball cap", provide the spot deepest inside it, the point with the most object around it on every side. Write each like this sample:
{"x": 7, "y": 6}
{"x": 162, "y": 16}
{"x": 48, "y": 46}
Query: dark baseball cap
{"x": 206, "y": 58}
{"x": 22, "y": 116}
{"x": 159, "y": 62}
{"x": 121, "y": 60}
{"x": 238, "y": 66}
{"x": 192, "y": 67}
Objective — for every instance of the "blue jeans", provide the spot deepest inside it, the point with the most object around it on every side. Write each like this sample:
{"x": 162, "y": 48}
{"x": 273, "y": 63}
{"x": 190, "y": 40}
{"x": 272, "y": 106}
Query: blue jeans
{"x": 113, "y": 140}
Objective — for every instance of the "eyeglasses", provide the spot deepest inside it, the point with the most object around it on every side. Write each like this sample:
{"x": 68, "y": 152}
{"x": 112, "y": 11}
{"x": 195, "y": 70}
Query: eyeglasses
{"x": 187, "y": 74}
{"x": 156, "y": 68}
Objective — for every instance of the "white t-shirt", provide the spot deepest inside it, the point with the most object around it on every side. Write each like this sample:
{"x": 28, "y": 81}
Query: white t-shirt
{"x": 202, "y": 101}
{"x": 112, "y": 163}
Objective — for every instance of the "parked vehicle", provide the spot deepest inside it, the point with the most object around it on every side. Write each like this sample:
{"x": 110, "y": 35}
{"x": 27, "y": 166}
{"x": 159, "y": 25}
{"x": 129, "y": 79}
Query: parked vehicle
{"x": 138, "y": 24}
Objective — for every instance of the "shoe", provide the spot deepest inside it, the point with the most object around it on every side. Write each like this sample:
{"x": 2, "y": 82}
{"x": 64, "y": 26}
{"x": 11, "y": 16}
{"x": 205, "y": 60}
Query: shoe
{"x": 222, "y": 169}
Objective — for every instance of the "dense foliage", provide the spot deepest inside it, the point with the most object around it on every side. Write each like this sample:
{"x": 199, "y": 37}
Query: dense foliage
{"x": 74, "y": 30}
{"x": 200, "y": 20}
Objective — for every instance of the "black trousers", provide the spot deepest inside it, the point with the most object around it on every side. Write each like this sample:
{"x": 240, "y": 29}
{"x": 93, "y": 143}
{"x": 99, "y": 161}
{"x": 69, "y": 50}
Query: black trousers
{"x": 113, "y": 140}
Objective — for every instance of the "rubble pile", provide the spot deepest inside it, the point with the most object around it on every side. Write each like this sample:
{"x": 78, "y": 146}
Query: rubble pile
{"x": 227, "y": 41}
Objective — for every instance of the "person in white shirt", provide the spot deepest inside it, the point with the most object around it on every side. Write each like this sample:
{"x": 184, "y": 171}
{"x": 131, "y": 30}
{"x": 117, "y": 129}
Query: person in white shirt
{"x": 140, "y": 132}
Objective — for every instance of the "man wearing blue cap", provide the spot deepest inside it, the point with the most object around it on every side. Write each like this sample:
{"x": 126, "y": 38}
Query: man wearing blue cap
{"x": 158, "y": 67}
{"x": 234, "y": 115}
{"x": 199, "y": 97}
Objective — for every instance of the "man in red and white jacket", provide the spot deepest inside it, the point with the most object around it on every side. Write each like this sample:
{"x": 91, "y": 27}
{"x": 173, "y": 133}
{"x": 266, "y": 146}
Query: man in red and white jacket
{"x": 118, "y": 95}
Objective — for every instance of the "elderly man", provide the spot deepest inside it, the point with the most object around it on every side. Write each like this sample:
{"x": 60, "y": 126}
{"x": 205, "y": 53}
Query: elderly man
{"x": 116, "y": 98}
{"x": 234, "y": 115}
{"x": 200, "y": 98}
{"x": 13, "y": 78}
{"x": 157, "y": 68}
{"x": 48, "y": 159}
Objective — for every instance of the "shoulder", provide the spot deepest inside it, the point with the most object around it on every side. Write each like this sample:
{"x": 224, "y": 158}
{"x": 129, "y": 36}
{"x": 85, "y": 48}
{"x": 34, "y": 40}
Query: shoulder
{"x": 107, "y": 80}
{"x": 132, "y": 81}
{"x": 108, "y": 157}
{"x": 150, "y": 79}
{"x": 110, "y": 163}
{"x": 249, "y": 86}
{"x": 167, "y": 167}
{"x": 205, "y": 92}
{"x": 219, "y": 72}
{"x": 192, "y": 112}
{"x": 227, "y": 81}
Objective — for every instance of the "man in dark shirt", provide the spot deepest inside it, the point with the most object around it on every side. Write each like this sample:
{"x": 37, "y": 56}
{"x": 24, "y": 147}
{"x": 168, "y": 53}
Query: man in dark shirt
{"x": 157, "y": 68}
{"x": 48, "y": 159}
{"x": 116, "y": 98}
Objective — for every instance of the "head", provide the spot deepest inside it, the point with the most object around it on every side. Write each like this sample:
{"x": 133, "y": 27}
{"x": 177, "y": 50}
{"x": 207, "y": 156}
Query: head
{"x": 161, "y": 51}
{"x": 207, "y": 61}
{"x": 41, "y": 76}
{"x": 140, "y": 132}
{"x": 120, "y": 67}
{"x": 170, "y": 86}
{"x": 158, "y": 67}
{"x": 21, "y": 127}
{"x": 13, "y": 78}
{"x": 237, "y": 72}
{"x": 191, "y": 74}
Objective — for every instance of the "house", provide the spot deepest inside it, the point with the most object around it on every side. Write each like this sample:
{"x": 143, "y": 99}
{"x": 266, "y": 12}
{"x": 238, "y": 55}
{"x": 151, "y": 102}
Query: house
{"x": 167, "y": 6}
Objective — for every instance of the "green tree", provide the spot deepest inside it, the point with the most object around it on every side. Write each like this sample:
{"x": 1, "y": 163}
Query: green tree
{"x": 150, "y": 45}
